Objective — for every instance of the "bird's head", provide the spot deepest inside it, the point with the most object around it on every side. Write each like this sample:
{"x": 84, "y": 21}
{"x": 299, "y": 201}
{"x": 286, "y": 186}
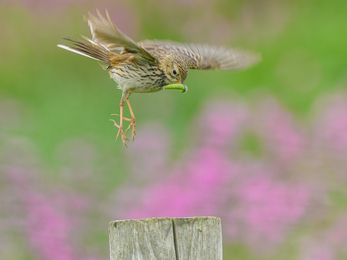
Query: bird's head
{"x": 176, "y": 69}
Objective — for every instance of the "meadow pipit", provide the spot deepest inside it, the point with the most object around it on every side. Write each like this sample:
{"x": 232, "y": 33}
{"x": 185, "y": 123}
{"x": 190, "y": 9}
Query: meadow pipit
{"x": 148, "y": 66}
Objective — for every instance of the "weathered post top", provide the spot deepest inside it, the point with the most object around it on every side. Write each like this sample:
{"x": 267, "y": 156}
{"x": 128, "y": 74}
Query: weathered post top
{"x": 198, "y": 238}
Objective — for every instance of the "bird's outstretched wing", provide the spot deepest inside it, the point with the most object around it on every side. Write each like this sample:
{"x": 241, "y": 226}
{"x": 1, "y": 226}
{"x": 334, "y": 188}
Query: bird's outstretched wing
{"x": 203, "y": 56}
{"x": 105, "y": 32}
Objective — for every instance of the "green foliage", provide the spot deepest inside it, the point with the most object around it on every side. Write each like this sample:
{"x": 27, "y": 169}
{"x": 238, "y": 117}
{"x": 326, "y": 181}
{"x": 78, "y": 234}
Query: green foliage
{"x": 71, "y": 96}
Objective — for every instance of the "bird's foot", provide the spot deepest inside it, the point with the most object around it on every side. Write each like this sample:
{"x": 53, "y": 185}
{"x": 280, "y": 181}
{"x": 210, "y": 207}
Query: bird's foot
{"x": 132, "y": 123}
{"x": 120, "y": 132}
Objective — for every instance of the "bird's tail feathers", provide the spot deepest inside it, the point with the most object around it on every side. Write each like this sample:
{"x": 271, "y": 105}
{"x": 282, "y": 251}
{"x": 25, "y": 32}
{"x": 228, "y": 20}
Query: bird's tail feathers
{"x": 91, "y": 49}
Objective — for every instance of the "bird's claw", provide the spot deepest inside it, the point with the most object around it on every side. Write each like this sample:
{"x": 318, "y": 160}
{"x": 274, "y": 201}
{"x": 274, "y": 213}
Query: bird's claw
{"x": 114, "y": 122}
{"x": 132, "y": 123}
{"x": 120, "y": 132}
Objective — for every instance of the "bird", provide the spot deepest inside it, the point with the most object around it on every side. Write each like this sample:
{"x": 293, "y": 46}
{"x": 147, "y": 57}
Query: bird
{"x": 147, "y": 66}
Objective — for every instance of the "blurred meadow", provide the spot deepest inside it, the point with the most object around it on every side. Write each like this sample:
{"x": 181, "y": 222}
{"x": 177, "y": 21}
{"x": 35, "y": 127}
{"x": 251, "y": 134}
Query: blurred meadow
{"x": 263, "y": 149}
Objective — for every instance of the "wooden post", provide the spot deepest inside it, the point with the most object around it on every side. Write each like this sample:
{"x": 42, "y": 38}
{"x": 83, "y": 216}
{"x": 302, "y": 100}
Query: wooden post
{"x": 198, "y": 238}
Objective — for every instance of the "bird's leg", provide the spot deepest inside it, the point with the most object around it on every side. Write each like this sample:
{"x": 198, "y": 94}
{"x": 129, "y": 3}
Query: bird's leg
{"x": 120, "y": 126}
{"x": 132, "y": 120}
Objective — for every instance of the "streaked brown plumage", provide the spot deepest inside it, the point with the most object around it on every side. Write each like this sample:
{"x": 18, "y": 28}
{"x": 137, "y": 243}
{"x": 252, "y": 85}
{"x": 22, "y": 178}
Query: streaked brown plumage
{"x": 148, "y": 66}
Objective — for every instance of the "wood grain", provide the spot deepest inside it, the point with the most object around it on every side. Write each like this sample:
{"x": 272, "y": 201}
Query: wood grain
{"x": 198, "y": 238}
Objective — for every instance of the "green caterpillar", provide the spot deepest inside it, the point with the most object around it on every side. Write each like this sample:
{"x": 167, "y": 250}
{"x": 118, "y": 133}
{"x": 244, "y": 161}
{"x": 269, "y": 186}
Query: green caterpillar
{"x": 181, "y": 87}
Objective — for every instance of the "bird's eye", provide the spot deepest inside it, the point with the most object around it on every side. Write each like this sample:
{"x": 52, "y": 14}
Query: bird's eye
{"x": 174, "y": 72}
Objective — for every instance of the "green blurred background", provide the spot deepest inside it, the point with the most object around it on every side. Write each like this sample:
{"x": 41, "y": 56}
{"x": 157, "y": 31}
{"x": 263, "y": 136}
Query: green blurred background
{"x": 55, "y": 108}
